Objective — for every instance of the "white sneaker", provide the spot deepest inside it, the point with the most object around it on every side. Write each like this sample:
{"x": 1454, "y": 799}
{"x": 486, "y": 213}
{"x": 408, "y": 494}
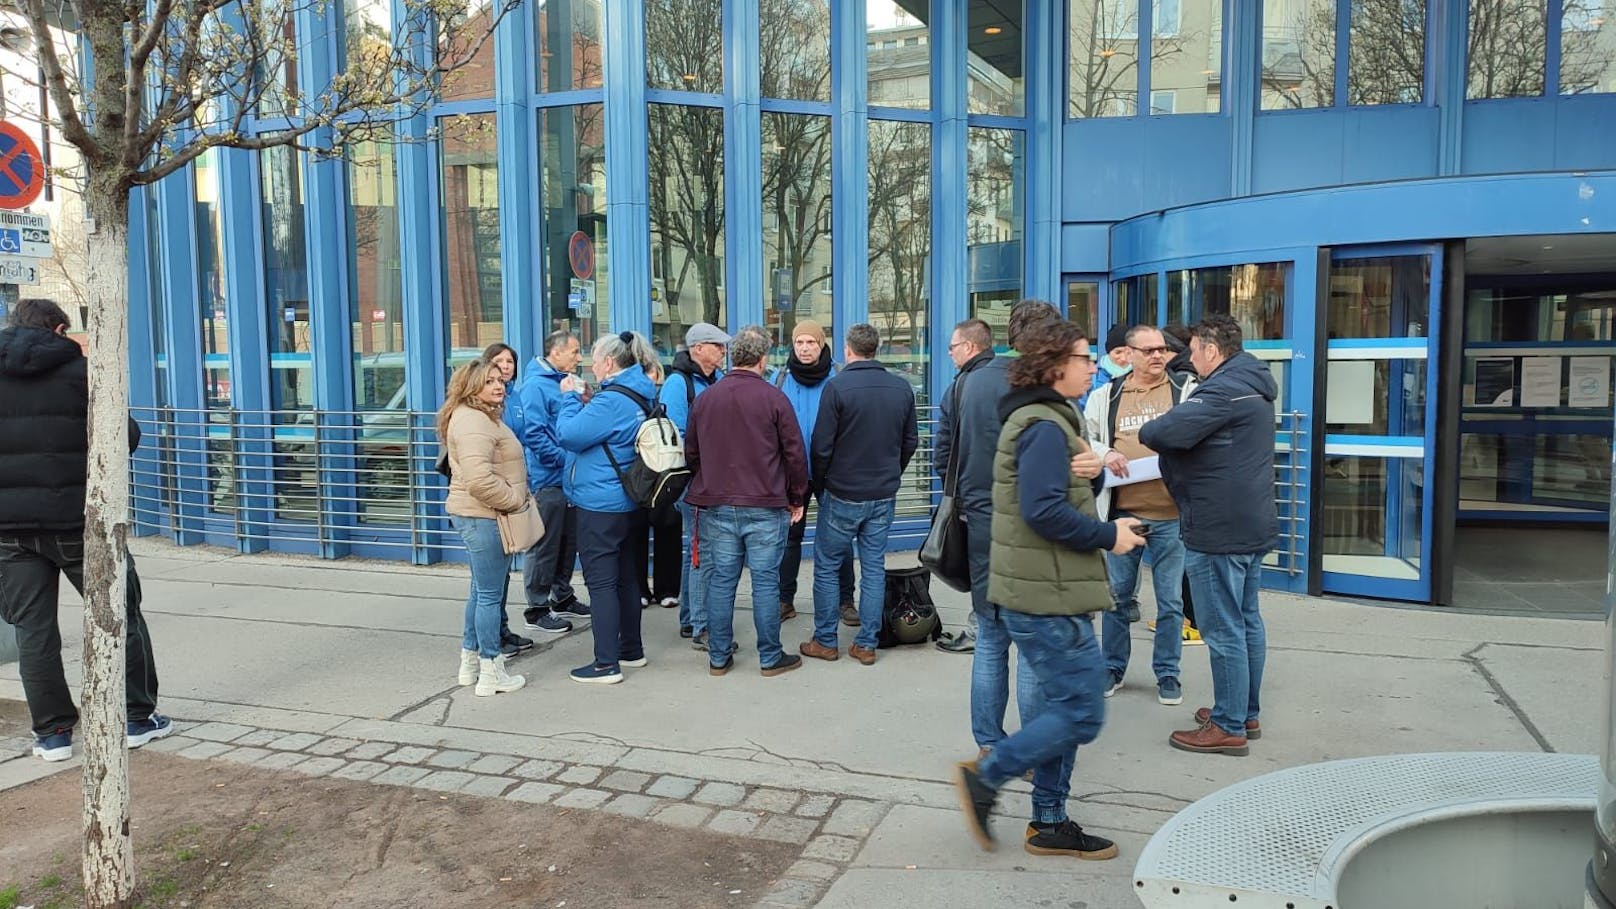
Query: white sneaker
{"x": 468, "y": 667}
{"x": 493, "y": 679}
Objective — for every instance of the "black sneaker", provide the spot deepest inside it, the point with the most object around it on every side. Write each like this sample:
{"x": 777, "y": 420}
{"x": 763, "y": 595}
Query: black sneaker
{"x": 550, "y": 623}
{"x": 507, "y": 649}
{"x": 530, "y": 616}
{"x": 976, "y": 801}
{"x": 1130, "y": 612}
{"x": 572, "y": 609}
{"x": 1066, "y": 838}
{"x": 686, "y": 631}
{"x": 515, "y": 640}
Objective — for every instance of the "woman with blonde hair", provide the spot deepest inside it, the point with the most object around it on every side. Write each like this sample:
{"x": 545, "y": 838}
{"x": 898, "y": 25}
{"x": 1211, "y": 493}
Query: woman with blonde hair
{"x": 487, "y": 478}
{"x": 503, "y": 358}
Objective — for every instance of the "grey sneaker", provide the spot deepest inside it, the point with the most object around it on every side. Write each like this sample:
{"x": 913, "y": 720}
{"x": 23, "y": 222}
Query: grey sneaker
{"x": 1169, "y": 692}
{"x": 1115, "y": 683}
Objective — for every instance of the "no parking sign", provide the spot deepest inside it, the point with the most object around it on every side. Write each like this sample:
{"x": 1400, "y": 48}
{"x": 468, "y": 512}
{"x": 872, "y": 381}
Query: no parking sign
{"x": 22, "y": 168}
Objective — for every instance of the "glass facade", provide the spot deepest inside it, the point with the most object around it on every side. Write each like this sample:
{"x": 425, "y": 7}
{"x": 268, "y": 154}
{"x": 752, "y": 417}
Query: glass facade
{"x": 898, "y": 53}
{"x": 797, "y": 63}
{"x": 474, "y": 307}
{"x": 1298, "y": 54}
{"x": 995, "y": 191}
{"x": 797, "y": 277}
{"x": 376, "y": 293}
{"x": 1507, "y": 48}
{"x": 684, "y": 45}
{"x": 900, "y": 189}
{"x": 1103, "y": 58}
{"x": 687, "y": 221}
{"x": 1386, "y": 52}
{"x": 572, "y": 171}
{"x": 464, "y": 44}
{"x": 210, "y": 279}
{"x": 568, "y": 44}
{"x": 286, "y": 286}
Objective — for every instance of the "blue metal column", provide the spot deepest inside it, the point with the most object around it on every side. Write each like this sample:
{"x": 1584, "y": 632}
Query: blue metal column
{"x": 1445, "y": 87}
{"x": 240, "y": 207}
{"x": 1242, "y": 66}
{"x": 176, "y": 227}
{"x": 143, "y": 377}
{"x": 518, "y": 164}
{"x": 950, "y": 286}
{"x": 849, "y": 169}
{"x": 1302, "y": 309}
{"x": 628, "y": 179}
{"x": 1046, "y": 110}
{"x": 743, "y": 164}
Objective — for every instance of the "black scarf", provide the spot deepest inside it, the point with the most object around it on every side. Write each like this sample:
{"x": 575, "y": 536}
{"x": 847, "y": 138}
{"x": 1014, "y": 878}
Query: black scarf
{"x": 683, "y": 363}
{"x": 810, "y": 374}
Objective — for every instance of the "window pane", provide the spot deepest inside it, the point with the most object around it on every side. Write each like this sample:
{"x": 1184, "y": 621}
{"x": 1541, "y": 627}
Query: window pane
{"x": 1506, "y": 48}
{"x": 1104, "y": 62}
{"x": 475, "y": 313}
{"x": 900, "y": 245}
{"x": 1587, "y": 47}
{"x": 464, "y": 42}
{"x": 796, "y": 41}
{"x": 211, "y": 284}
{"x": 1083, "y": 306}
{"x": 286, "y": 288}
{"x": 994, "y": 210}
{"x": 156, "y": 300}
{"x": 1298, "y": 54}
{"x": 1386, "y": 52}
{"x": 1369, "y": 296}
{"x": 276, "y": 58}
{"x": 796, "y": 224}
{"x": 1395, "y": 392}
{"x": 572, "y": 164}
{"x": 567, "y": 40}
{"x": 1254, "y": 295}
{"x": 376, "y": 296}
{"x": 1136, "y": 300}
{"x": 687, "y": 221}
{"x": 1360, "y": 493}
{"x": 684, "y": 45}
{"x": 898, "y": 45}
{"x": 993, "y": 59}
{"x": 367, "y": 31}
{"x": 1186, "y": 56}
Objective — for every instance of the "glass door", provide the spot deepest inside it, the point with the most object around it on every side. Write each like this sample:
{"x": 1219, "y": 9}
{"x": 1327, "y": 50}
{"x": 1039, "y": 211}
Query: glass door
{"x": 1380, "y": 426}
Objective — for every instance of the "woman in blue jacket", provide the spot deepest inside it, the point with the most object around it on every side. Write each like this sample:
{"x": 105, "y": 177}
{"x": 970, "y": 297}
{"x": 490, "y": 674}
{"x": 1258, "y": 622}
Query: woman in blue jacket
{"x": 503, "y": 359}
{"x": 608, "y": 520}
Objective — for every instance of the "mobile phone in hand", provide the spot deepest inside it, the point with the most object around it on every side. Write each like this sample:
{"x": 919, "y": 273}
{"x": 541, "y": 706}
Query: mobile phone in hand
{"x": 1142, "y": 529}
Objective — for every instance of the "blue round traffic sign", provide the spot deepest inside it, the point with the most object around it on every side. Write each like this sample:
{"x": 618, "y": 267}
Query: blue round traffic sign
{"x": 22, "y": 168}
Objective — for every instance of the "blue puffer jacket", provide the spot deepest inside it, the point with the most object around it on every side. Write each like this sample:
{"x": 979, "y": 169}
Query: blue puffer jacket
{"x": 515, "y": 416}
{"x": 804, "y": 399}
{"x": 590, "y": 481}
{"x": 540, "y": 395}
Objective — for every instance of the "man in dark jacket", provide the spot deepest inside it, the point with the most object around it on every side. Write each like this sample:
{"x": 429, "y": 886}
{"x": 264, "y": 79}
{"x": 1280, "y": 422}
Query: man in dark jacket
{"x": 1217, "y": 456}
{"x": 863, "y": 440}
{"x": 547, "y": 568}
{"x": 971, "y": 349}
{"x": 44, "y": 416}
{"x": 749, "y": 481}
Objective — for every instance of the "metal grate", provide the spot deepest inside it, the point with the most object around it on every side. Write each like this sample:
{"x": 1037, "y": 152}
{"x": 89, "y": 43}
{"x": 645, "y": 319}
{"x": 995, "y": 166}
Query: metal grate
{"x": 1291, "y": 493}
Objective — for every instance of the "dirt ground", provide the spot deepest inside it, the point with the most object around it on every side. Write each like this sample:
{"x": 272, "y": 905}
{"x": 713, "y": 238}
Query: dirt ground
{"x": 212, "y": 834}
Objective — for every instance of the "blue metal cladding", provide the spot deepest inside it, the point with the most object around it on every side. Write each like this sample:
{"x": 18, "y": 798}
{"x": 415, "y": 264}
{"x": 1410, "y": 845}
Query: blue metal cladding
{"x": 1046, "y": 110}
{"x": 850, "y": 164}
{"x": 743, "y": 166}
{"x": 950, "y": 284}
{"x": 628, "y": 202}
{"x": 515, "y": 128}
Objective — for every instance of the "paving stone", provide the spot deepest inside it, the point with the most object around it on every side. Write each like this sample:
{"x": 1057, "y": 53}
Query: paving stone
{"x": 218, "y": 732}
{"x": 791, "y": 893}
{"x": 583, "y": 798}
{"x": 537, "y": 770}
{"x": 783, "y": 829}
{"x": 672, "y": 787}
{"x": 411, "y": 755}
{"x": 370, "y": 751}
{"x": 626, "y": 780}
{"x": 319, "y": 766}
{"x": 245, "y": 755}
{"x": 259, "y": 737}
{"x": 579, "y": 776}
{"x": 815, "y": 806}
{"x": 811, "y": 870}
{"x": 444, "y": 780}
{"x": 723, "y": 795}
{"x": 400, "y": 775}
{"x": 680, "y": 814}
{"x": 632, "y": 805}
{"x": 452, "y": 760}
{"x": 204, "y": 750}
{"x": 359, "y": 770}
{"x": 494, "y": 764}
{"x": 297, "y": 741}
{"x": 488, "y": 786}
{"x": 537, "y": 793}
{"x": 737, "y": 823}
{"x": 281, "y": 760}
{"x": 832, "y": 849}
{"x": 855, "y": 818}
{"x": 171, "y": 745}
{"x": 778, "y": 801}
{"x": 332, "y": 746}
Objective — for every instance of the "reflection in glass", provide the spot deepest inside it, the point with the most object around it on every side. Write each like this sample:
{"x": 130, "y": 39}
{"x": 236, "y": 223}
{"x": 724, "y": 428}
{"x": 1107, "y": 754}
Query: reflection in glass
{"x": 1136, "y": 300}
{"x": 567, "y": 42}
{"x": 687, "y": 221}
{"x": 1376, "y": 397}
{"x": 286, "y": 287}
{"x": 1575, "y": 312}
{"x": 474, "y": 311}
{"x": 898, "y": 48}
{"x": 210, "y": 282}
{"x": 1083, "y": 306}
{"x": 1519, "y": 470}
{"x": 466, "y": 42}
{"x": 684, "y": 45}
{"x": 993, "y": 59}
{"x": 994, "y": 190}
{"x": 367, "y": 37}
{"x": 156, "y": 300}
{"x": 796, "y": 41}
{"x": 1386, "y": 52}
{"x": 1298, "y": 53}
{"x": 900, "y": 245}
{"x": 796, "y": 223}
{"x": 1365, "y": 531}
{"x": 276, "y": 59}
{"x": 1369, "y": 296}
{"x": 1186, "y": 56}
{"x": 1587, "y": 47}
{"x": 572, "y": 164}
{"x": 1254, "y": 295}
{"x": 376, "y": 296}
{"x": 1507, "y": 48}
{"x": 1103, "y": 61}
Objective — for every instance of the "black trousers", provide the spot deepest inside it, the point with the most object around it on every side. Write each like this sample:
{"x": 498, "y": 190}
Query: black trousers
{"x": 30, "y": 584}
{"x": 547, "y": 568}
{"x": 662, "y": 548}
{"x": 611, "y": 565}
{"x": 791, "y": 563}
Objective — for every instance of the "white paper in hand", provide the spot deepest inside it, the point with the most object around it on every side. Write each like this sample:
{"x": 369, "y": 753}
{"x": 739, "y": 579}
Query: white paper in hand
{"x": 1140, "y": 470}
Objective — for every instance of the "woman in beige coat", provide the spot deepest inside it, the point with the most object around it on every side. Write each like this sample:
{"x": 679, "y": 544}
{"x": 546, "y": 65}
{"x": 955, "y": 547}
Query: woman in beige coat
{"x": 487, "y": 477}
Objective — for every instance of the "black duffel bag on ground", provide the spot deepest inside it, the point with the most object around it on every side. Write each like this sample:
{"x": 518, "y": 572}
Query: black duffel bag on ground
{"x": 908, "y": 615}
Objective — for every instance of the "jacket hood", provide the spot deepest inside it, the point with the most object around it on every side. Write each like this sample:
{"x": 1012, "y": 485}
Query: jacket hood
{"x": 1042, "y": 394}
{"x": 35, "y": 351}
{"x": 1247, "y": 375}
{"x": 542, "y": 367}
{"x": 683, "y": 364}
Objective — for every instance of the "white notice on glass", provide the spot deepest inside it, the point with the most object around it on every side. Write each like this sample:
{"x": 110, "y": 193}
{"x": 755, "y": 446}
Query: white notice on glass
{"x": 1540, "y": 382}
{"x": 1590, "y": 382}
{"x": 1140, "y": 470}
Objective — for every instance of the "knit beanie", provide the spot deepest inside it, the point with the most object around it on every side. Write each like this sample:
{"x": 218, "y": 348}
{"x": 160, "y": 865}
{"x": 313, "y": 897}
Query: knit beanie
{"x": 809, "y": 327}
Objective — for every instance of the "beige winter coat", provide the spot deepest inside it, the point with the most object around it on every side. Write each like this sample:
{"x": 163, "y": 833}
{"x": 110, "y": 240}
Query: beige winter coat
{"x": 486, "y": 463}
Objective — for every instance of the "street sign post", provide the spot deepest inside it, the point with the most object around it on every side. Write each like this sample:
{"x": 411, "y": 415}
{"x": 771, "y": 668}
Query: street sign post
{"x": 22, "y": 168}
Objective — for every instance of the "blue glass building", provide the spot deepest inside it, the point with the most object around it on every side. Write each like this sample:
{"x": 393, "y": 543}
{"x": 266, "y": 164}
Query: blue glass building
{"x": 1409, "y": 204}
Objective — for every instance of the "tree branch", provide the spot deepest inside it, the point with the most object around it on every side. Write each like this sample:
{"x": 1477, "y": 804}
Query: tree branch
{"x": 67, "y": 112}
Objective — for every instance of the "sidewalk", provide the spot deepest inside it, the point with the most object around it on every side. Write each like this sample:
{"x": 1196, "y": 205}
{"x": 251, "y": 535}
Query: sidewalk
{"x": 347, "y": 669}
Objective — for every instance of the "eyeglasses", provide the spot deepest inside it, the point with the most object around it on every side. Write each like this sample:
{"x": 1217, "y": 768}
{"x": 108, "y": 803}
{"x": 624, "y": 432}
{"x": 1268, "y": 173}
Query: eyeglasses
{"x": 956, "y": 344}
{"x": 1152, "y": 351}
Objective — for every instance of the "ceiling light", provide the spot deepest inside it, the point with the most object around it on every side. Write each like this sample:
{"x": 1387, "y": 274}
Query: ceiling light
{"x": 992, "y": 30}
{"x": 690, "y": 77}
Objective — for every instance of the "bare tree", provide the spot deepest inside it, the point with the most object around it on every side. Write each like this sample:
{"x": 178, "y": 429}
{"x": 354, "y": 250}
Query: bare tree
{"x": 172, "y": 79}
{"x": 1105, "y": 57}
{"x": 900, "y": 228}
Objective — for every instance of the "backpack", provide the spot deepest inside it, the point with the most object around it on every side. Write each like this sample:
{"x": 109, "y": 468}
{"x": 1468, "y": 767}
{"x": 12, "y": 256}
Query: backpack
{"x": 908, "y": 615}
{"x": 657, "y": 476}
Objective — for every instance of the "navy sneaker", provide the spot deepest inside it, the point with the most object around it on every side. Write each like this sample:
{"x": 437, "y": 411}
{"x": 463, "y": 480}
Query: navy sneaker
{"x": 686, "y": 631}
{"x": 58, "y": 746}
{"x": 521, "y": 644}
{"x": 1169, "y": 692}
{"x": 596, "y": 674}
{"x": 572, "y": 609}
{"x": 508, "y": 650}
{"x": 155, "y": 726}
{"x": 1113, "y": 683}
{"x": 550, "y": 623}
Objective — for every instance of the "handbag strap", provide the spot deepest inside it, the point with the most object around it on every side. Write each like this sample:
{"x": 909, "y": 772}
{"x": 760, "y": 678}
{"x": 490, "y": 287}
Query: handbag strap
{"x": 951, "y": 479}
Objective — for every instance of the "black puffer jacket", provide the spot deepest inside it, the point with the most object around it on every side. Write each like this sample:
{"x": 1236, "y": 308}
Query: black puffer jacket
{"x": 44, "y": 432}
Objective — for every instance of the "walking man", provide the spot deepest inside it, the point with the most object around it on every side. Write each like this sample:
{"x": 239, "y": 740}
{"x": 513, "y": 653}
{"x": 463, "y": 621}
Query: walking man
{"x": 862, "y": 442}
{"x": 547, "y": 568}
{"x": 44, "y": 441}
{"x": 1114, "y": 417}
{"x": 695, "y": 369}
{"x": 749, "y": 480}
{"x": 1217, "y": 456}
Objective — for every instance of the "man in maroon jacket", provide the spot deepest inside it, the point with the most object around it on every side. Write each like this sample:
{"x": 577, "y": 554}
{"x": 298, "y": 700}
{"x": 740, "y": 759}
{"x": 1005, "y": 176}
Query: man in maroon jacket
{"x": 748, "y": 486}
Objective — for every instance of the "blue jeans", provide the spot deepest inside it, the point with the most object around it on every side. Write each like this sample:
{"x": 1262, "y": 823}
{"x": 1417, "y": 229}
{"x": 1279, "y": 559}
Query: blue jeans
{"x": 730, "y": 536}
{"x": 612, "y": 569}
{"x": 692, "y": 581}
{"x": 1167, "y": 577}
{"x": 1236, "y": 642}
{"x": 842, "y": 524}
{"x": 490, "y": 572}
{"x": 1067, "y": 711}
{"x": 990, "y": 680}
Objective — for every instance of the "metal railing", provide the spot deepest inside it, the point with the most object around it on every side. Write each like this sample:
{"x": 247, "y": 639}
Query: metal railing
{"x": 1291, "y": 494}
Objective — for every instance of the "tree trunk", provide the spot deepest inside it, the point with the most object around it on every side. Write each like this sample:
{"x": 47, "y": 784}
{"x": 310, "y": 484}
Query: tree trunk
{"x": 108, "y": 855}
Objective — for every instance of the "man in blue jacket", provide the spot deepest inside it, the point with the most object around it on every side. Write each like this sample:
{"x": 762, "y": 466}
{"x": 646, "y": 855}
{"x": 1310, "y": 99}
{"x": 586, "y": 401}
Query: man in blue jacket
{"x": 1217, "y": 457}
{"x": 547, "y": 569}
{"x": 695, "y": 369}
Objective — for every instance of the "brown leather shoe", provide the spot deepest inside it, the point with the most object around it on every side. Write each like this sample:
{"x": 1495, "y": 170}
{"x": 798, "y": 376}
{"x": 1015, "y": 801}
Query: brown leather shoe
{"x": 850, "y": 616}
{"x": 867, "y": 657}
{"x": 787, "y": 611}
{"x": 1209, "y": 739}
{"x": 1253, "y": 728}
{"x": 819, "y": 651}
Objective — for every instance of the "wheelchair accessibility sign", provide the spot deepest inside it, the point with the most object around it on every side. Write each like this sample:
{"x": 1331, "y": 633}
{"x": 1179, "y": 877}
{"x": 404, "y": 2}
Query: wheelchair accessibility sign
{"x": 25, "y": 235}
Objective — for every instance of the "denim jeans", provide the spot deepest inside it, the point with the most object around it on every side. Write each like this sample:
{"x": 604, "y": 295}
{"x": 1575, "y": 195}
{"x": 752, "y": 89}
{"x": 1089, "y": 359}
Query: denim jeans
{"x": 732, "y": 536}
{"x": 547, "y": 569}
{"x": 842, "y": 525}
{"x": 990, "y": 680}
{"x": 612, "y": 566}
{"x": 1167, "y": 577}
{"x": 490, "y": 573}
{"x": 791, "y": 565}
{"x": 31, "y": 567}
{"x": 692, "y": 580}
{"x": 1066, "y": 712}
{"x": 1236, "y": 642}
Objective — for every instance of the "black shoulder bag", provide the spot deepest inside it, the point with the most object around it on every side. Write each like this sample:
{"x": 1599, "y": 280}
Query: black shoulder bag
{"x": 946, "y": 551}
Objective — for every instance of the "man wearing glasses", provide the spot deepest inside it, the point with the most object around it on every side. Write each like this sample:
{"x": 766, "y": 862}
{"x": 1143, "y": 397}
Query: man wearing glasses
{"x": 1114, "y": 414}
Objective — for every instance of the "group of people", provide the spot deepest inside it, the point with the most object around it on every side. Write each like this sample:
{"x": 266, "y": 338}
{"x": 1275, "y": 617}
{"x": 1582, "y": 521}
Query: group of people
{"x": 758, "y": 443}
